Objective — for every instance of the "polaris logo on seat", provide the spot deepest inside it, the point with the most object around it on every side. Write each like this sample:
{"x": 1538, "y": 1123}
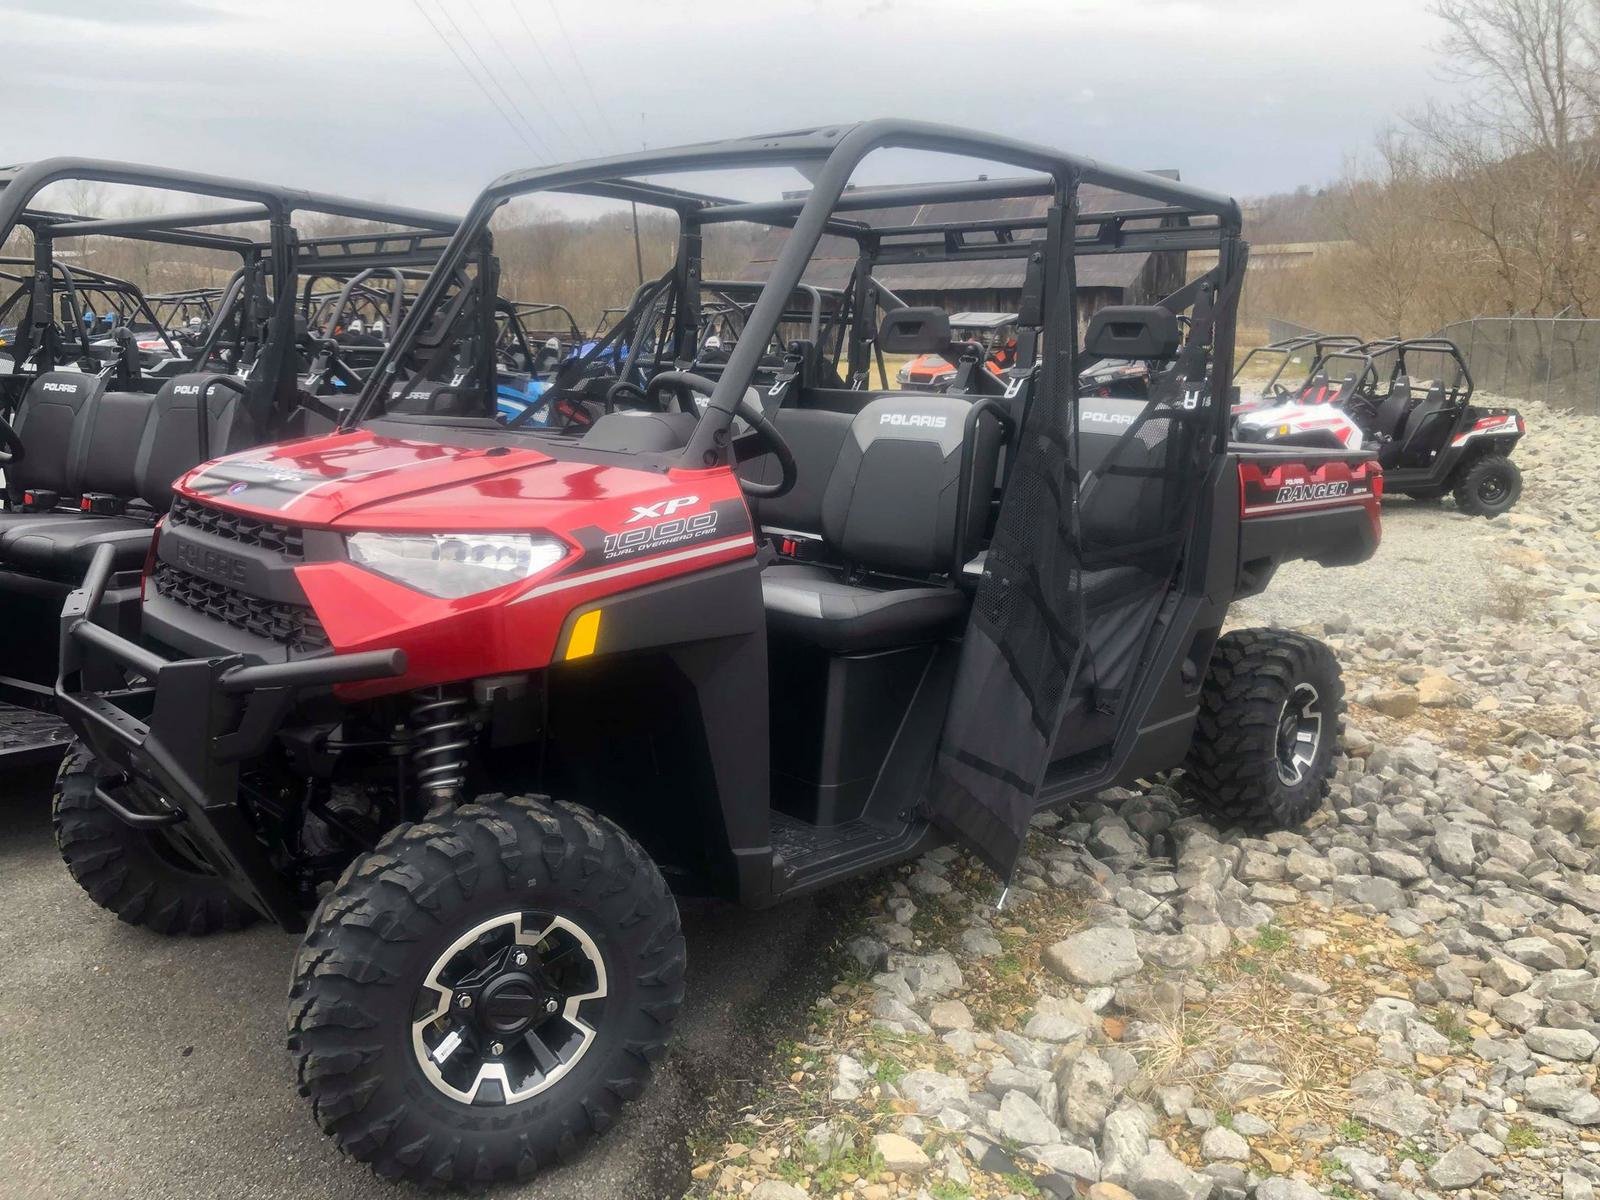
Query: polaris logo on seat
{"x": 1291, "y": 493}
{"x": 914, "y": 420}
{"x": 1110, "y": 418}
{"x": 60, "y": 387}
{"x": 186, "y": 389}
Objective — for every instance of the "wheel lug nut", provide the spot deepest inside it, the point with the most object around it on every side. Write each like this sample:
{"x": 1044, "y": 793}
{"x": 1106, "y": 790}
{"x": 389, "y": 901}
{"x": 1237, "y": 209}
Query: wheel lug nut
{"x": 463, "y": 1001}
{"x": 521, "y": 958}
{"x": 550, "y": 1007}
{"x": 497, "y": 1048}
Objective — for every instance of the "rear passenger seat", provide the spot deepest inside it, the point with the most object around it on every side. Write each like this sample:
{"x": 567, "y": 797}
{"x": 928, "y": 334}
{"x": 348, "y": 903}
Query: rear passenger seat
{"x": 124, "y": 444}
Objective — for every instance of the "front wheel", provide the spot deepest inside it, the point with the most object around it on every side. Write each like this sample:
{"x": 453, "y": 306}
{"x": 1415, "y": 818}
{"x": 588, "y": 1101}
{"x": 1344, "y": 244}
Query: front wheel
{"x": 1271, "y": 718}
{"x": 480, "y": 994}
{"x": 1489, "y": 486}
{"x": 149, "y": 877}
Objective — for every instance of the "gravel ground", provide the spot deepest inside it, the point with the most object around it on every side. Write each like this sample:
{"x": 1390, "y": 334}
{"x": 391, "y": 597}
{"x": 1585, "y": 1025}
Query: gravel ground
{"x": 1433, "y": 566}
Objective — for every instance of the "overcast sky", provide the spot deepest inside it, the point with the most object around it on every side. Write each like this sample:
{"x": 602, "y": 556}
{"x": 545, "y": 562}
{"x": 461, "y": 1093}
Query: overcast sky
{"x": 363, "y": 97}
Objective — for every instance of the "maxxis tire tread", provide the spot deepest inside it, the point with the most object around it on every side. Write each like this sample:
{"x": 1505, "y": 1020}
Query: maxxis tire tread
{"x": 115, "y": 865}
{"x": 1466, "y": 486}
{"x": 1232, "y": 767}
{"x": 351, "y": 969}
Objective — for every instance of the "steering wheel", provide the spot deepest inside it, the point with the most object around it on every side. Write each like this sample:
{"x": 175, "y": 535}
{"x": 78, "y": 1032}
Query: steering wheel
{"x": 623, "y": 390}
{"x": 762, "y": 429}
{"x": 10, "y": 444}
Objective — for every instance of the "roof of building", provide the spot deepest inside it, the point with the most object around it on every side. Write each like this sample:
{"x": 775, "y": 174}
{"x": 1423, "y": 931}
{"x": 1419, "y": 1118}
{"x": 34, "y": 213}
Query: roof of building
{"x": 835, "y": 257}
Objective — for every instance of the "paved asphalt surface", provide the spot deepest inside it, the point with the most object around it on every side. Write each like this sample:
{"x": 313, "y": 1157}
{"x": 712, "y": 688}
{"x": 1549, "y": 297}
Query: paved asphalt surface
{"x": 133, "y": 1065}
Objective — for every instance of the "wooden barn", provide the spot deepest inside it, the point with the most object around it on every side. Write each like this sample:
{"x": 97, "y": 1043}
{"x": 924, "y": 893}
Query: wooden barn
{"x": 987, "y": 285}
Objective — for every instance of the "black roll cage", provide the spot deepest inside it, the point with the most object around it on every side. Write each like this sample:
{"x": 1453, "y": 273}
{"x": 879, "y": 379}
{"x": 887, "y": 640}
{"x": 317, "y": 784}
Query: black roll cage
{"x": 1175, "y": 216}
{"x": 1321, "y": 345}
{"x": 76, "y": 281}
{"x": 278, "y": 257}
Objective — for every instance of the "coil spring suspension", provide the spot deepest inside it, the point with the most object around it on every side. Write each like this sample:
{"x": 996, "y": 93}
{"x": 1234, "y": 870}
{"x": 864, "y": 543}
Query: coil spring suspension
{"x": 440, "y": 736}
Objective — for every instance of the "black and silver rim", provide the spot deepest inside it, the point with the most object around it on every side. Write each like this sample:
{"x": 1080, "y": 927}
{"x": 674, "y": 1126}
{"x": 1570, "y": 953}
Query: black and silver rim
{"x": 1492, "y": 488}
{"x": 509, "y": 1008}
{"x": 1299, "y": 733}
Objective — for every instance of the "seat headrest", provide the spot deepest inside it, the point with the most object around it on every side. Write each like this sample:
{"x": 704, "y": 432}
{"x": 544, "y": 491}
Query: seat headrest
{"x": 1140, "y": 331}
{"x": 429, "y": 397}
{"x": 914, "y": 331}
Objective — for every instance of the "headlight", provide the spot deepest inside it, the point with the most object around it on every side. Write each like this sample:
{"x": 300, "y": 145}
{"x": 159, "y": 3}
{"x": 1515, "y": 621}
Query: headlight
{"x": 903, "y": 375}
{"x": 450, "y": 565}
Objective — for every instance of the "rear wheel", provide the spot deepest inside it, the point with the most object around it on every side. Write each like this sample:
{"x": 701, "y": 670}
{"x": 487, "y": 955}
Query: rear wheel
{"x": 1489, "y": 486}
{"x": 147, "y": 877}
{"x": 481, "y": 994}
{"x": 1271, "y": 718}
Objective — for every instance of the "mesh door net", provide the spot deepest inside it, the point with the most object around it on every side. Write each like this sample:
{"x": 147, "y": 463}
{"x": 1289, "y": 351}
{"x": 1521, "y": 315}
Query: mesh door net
{"x": 1093, "y": 521}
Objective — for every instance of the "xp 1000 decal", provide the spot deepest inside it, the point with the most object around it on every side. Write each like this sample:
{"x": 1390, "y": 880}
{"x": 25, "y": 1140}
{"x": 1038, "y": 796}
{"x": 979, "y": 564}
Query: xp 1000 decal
{"x": 671, "y": 524}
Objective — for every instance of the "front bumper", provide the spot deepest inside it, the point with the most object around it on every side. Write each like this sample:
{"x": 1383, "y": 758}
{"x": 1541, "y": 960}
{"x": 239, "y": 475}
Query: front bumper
{"x": 185, "y": 728}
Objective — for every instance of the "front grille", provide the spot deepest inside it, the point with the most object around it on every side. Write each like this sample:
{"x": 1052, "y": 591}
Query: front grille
{"x": 292, "y": 625}
{"x": 287, "y": 540}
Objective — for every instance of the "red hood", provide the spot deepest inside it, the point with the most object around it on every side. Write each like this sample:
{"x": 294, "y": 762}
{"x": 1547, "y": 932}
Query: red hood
{"x": 933, "y": 364}
{"x": 361, "y": 480}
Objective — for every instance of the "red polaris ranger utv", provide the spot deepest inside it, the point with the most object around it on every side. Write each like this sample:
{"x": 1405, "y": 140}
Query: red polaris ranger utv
{"x": 468, "y": 701}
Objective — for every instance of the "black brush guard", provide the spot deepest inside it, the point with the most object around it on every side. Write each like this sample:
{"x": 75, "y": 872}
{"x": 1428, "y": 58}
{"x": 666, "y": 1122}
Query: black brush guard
{"x": 186, "y": 728}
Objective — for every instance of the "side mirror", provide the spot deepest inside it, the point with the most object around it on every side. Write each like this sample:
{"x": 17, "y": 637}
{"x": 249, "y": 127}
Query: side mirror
{"x": 1140, "y": 331}
{"x": 914, "y": 331}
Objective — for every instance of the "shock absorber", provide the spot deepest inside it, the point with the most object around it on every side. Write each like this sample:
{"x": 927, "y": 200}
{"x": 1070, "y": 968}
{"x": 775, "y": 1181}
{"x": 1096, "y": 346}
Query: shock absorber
{"x": 440, "y": 736}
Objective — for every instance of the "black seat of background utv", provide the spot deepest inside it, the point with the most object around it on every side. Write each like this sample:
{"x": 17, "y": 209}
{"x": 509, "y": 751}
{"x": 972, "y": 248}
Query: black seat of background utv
{"x": 167, "y": 446}
{"x": 53, "y": 420}
{"x": 890, "y": 508}
{"x": 50, "y": 422}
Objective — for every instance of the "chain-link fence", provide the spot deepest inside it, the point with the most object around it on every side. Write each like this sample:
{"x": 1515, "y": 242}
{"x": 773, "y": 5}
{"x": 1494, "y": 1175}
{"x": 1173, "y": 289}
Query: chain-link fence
{"x": 1554, "y": 359}
{"x": 1279, "y": 330}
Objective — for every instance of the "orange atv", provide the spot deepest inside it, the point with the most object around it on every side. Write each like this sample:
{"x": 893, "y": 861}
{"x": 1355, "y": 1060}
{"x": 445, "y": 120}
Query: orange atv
{"x": 993, "y": 335}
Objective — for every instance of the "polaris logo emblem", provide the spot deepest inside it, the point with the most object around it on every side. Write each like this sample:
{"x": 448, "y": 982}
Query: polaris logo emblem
{"x": 1110, "y": 418}
{"x": 213, "y": 564}
{"x": 60, "y": 387}
{"x": 186, "y": 389}
{"x": 914, "y": 420}
{"x": 1292, "y": 493}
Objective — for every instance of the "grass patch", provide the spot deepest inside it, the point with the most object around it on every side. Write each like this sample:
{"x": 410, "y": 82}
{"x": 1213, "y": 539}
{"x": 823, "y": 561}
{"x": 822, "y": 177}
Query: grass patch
{"x": 1225, "y": 1118}
{"x": 1352, "y": 1130}
{"x": 1272, "y": 939}
{"x": 1409, "y": 1151}
{"x": 1523, "y": 1137}
{"x": 1447, "y": 1023}
{"x": 1023, "y": 1185}
{"x": 842, "y": 1171}
{"x": 949, "y": 1189}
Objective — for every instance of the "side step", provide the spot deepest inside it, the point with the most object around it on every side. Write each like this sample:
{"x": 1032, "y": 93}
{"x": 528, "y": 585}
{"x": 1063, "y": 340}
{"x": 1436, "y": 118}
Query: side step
{"x": 806, "y": 857}
{"x": 28, "y": 736}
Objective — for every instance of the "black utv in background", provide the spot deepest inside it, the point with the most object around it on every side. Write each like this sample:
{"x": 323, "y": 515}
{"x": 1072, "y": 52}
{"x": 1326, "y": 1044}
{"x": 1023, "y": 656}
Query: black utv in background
{"x": 93, "y": 430}
{"x": 749, "y": 639}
